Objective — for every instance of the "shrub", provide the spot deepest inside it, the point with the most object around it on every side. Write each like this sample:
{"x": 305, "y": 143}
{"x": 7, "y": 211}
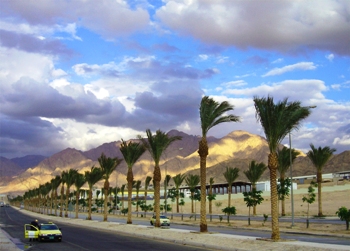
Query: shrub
{"x": 344, "y": 215}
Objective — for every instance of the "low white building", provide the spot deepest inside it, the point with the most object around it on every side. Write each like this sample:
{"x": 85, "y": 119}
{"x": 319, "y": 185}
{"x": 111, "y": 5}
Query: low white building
{"x": 265, "y": 186}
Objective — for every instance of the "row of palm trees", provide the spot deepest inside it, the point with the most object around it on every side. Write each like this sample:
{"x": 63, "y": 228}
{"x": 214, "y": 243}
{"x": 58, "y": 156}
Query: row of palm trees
{"x": 277, "y": 120}
{"x": 69, "y": 178}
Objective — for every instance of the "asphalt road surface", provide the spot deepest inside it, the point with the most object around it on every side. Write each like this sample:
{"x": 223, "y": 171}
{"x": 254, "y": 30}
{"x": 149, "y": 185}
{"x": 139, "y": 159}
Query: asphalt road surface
{"x": 77, "y": 238}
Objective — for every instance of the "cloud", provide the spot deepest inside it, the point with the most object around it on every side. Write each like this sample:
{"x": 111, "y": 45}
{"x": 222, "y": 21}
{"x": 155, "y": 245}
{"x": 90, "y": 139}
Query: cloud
{"x": 102, "y": 18}
{"x": 305, "y": 89}
{"x": 245, "y": 24}
{"x": 330, "y": 57}
{"x": 28, "y": 98}
{"x": 31, "y": 134}
{"x": 298, "y": 66}
{"x": 29, "y": 43}
{"x": 105, "y": 70}
{"x": 257, "y": 60}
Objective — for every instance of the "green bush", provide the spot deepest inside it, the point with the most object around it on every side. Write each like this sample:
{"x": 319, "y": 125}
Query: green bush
{"x": 344, "y": 215}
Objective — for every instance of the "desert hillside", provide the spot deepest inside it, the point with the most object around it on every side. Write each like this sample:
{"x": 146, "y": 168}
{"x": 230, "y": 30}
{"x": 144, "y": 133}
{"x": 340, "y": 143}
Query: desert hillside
{"x": 236, "y": 149}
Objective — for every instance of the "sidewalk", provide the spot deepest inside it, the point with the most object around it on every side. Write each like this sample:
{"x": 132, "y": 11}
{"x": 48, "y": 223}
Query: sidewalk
{"x": 210, "y": 240}
{"x": 7, "y": 243}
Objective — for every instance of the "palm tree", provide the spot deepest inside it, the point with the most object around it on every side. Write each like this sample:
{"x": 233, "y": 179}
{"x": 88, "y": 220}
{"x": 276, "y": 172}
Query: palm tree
{"x": 78, "y": 183}
{"x": 211, "y": 183}
{"x": 178, "y": 179}
{"x": 284, "y": 156}
{"x": 231, "y": 174}
{"x": 253, "y": 174}
{"x": 122, "y": 189}
{"x": 137, "y": 186}
{"x": 156, "y": 145}
{"x": 55, "y": 183}
{"x": 277, "y": 121}
{"x": 131, "y": 151}
{"x": 70, "y": 177}
{"x": 107, "y": 165}
{"x": 92, "y": 177}
{"x": 166, "y": 182}
{"x": 63, "y": 181}
{"x": 147, "y": 181}
{"x": 319, "y": 157}
{"x": 192, "y": 182}
{"x": 44, "y": 191}
{"x": 211, "y": 114}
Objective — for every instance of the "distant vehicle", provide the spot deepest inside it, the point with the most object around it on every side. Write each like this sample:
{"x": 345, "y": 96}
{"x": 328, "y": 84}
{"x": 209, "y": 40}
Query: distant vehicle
{"x": 2, "y": 204}
{"x": 46, "y": 232}
{"x": 164, "y": 221}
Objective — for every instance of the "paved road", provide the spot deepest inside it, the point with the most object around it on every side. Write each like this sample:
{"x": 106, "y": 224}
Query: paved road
{"x": 77, "y": 238}
{"x": 242, "y": 232}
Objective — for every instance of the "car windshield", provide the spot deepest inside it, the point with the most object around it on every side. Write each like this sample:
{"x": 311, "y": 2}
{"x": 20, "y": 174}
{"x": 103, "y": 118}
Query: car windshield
{"x": 163, "y": 217}
{"x": 48, "y": 227}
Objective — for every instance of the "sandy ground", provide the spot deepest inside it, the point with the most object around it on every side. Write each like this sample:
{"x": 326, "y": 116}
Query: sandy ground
{"x": 333, "y": 197}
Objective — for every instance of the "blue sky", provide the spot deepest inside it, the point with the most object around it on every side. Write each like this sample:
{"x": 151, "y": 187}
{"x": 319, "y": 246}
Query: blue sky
{"x": 79, "y": 74}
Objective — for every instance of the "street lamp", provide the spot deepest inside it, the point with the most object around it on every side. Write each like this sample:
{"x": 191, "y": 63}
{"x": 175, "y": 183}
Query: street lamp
{"x": 166, "y": 185}
{"x": 291, "y": 177}
{"x": 291, "y": 172}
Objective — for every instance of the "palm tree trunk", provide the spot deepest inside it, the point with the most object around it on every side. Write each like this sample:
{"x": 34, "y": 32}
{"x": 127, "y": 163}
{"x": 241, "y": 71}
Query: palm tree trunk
{"x": 229, "y": 195}
{"x": 90, "y": 204}
{"x": 210, "y": 201}
{"x": 55, "y": 202}
{"x": 319, "y": 190}
{"x": 156, "y": 178}
{"x": 129, "y": 178}
{"x": 67, "y": 197}
{"x": 283, "y": 202}
{"x": 61, "y": 201}
{"x": 192, "y": 202}
{"x": 177, "y": 202}
{"x": 76, "y": 204}
{"x": 106, "y": 188}
{"x": 203, "y": 153}
{"x": 272, "y": 164}
{"x": 51, "y": 202}
{"x": 254, "y": 207}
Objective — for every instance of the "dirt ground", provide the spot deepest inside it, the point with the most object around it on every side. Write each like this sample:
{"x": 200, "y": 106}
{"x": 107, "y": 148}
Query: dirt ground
{"x": 333, "y": 197}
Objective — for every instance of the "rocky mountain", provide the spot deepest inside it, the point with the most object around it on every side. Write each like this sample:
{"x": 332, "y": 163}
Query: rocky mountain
{"x": 236, "y": 149}
{"x": 8, "y": 169}
{"x": 12, "y": 167}
{"x": 28, "y": 161}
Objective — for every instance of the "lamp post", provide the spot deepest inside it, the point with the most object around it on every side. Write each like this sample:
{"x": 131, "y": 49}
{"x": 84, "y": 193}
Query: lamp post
{"x": 291, "y": 172}
{"x": 165, "y": 189}
{"x": 166, "y": 185}
{"x": 291, "y": 177}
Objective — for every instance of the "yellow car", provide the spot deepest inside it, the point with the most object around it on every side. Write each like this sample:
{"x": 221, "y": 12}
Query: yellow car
{"x": 164, "y": 221}
{"x": 45, "y": 232}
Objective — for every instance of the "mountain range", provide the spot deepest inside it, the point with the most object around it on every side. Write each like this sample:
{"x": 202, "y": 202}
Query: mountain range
{"x": 236, "y": 149}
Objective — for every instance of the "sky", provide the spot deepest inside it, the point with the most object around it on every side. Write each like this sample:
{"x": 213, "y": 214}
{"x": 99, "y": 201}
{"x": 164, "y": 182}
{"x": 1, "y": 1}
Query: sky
{"x": 80, "y": 73}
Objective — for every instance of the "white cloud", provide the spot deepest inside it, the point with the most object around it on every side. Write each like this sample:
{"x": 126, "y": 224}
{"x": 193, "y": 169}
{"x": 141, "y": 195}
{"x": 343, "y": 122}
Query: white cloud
{"x": 203, "y": 57}
{"x": 298, "y": 66}
{"x": 222, "y": 60}
{"x": 100, "y": 18}
{"x": 320, "y": 25}
{"x": 234, "y": 83}
{"x": 277, "y": 61}
{"x": 345, "y": 140}
{"x": 336, "y": 86}
{"x": 330, "y": 57}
